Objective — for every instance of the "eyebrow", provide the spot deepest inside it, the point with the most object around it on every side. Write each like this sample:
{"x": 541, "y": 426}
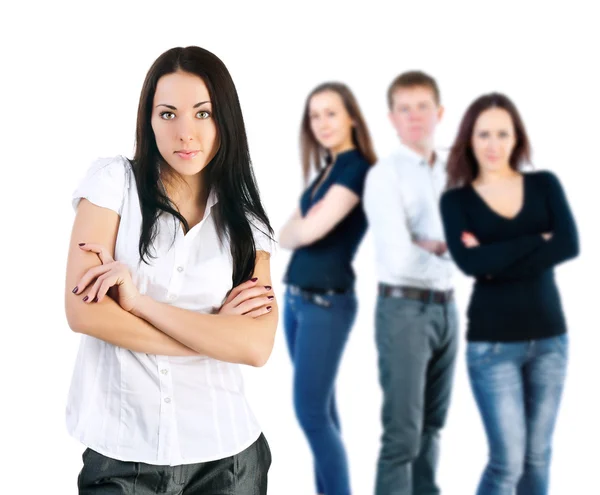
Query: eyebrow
{"x": 174, "y": 108}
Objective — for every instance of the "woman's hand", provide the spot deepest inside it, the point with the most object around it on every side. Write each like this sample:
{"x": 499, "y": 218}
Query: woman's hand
{"x": 248, "y": 299}
{"x": 109, "y": 274}
{"x": 469, "y": 240}
{"x": 434, "y": 247}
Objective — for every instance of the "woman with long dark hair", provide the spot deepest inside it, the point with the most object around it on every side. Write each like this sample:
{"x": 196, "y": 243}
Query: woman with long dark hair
{"x": 157, "y": 245}
{"x": 509, "y": 229}
{"x": 325, "y": 232}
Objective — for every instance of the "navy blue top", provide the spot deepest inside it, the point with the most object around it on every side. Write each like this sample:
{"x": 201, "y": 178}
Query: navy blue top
{"x": 515, "y": 296}
{"x": 327, "y": 263}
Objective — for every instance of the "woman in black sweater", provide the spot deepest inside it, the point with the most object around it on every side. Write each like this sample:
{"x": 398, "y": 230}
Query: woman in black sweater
{"x": 508, "y": 230}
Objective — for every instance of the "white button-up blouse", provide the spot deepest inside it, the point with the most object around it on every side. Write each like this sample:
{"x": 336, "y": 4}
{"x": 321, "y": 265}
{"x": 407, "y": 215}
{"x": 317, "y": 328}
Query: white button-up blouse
{"x": 156, "y": 409}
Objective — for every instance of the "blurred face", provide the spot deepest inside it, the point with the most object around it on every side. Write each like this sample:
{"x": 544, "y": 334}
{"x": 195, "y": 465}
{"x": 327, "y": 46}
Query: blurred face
{"x": 330, "y": 122}
{"x": 414, "y": 115}
{"x": 493, "y": 139}
{"x": 182, "y": 121}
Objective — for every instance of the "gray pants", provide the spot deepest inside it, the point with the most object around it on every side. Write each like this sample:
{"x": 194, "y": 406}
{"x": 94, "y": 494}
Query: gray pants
{"x": 242, "y": 474}
{"x": 417, "y": 345}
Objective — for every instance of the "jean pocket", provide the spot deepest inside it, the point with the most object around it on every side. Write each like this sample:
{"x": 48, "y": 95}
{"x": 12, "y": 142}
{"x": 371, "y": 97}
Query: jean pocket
{"x": 479, "y": 353}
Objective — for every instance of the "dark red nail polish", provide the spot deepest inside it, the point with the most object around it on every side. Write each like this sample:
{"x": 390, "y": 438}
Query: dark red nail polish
{"x": 254, "y": 279}
{"x": 82, "y": 243}
{"x": 75, "y": 290}
{"x": 85, "y": 298}
{"x": 269, "y": 308}
{"x": 95, "y": 299}
{"x": 270, "y": 297}
{"x": 268, "y": 287}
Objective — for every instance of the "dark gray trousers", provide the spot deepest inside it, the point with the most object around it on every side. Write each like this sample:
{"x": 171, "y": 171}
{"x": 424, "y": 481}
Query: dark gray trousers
{"x": 242, "y": 474}
{"x": 416, "y": 343}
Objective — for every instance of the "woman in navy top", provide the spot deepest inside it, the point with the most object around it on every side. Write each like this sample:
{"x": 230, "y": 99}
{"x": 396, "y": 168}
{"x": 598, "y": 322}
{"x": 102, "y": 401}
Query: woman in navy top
{"x": 508, "y": 230}
{"x": 325, "y": 232}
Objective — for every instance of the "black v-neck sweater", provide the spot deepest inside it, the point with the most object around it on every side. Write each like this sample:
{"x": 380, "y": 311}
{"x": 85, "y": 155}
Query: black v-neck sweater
{"x": 515, "y": 296}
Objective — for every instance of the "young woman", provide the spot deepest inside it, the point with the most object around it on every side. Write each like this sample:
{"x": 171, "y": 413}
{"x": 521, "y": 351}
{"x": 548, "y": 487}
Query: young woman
{"x": 325, "y": 232}
{"x": 508, "y": 230}
{"x": 157, "y": 245}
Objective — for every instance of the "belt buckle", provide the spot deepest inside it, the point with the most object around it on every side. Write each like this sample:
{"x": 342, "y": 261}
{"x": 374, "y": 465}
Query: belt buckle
{"x": 319, "y": 300}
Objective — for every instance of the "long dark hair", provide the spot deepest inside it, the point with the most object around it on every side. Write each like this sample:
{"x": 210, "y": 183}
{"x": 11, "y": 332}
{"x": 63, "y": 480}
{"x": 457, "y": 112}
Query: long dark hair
{"x": 313, "y": 154}
{"x": 229, "y": 174}
{"x": 462, "y": 166}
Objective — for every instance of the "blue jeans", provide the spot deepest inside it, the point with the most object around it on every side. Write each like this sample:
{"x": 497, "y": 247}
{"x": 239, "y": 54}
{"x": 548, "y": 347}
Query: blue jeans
{"x": 316, "y": 334}
{"x": 518, "y": 387}
{"x": 417, "y": 344}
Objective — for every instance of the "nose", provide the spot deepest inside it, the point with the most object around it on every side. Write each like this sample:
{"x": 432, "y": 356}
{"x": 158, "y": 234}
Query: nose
{"x": 185, "y": 131}
{"x": 413, "y": 115}
{"x": 493, "y": 143}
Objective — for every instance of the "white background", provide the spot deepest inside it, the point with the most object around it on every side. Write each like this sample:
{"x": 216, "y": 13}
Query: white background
{"x": 71, "y": 77}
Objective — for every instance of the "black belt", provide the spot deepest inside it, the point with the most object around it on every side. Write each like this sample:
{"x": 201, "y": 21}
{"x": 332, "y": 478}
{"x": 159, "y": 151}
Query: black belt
{"x": 423, "y": 295}
{"x": 296, "y": 291}
{"x": 316, "y": 295}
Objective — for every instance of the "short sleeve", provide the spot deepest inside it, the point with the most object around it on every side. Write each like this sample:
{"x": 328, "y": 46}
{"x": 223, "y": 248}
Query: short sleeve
{"x": 353, "y": 176}
{"x": 105, "y": 184}
{"x": 262, "y": 239}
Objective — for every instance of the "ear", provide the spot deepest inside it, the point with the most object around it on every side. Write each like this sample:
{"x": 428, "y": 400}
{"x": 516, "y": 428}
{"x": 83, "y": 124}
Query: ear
{"x": 440, "y": 113}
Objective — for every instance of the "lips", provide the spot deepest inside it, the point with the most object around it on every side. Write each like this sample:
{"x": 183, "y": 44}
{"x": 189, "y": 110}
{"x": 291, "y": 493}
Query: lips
{"x": 187, "y": 154}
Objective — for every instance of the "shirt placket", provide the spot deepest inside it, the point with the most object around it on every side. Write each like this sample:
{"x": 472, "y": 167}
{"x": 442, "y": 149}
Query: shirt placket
{"x": 168, "y": 439}
{"x": 166, "y": 432}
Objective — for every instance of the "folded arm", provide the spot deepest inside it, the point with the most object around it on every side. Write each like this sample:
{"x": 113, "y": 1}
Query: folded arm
{"x": 390, "y": 229}
{"x": 107, "y": 320}
{"x": 561, "y": 246}
{"x": 232, "y": 338}
{"x": 485, "y": 259}
{"x": 300, "y": 231}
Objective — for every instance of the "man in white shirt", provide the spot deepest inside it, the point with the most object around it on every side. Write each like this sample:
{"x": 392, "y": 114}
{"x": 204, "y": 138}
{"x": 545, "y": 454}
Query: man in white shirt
{"x": 416, "y": 318}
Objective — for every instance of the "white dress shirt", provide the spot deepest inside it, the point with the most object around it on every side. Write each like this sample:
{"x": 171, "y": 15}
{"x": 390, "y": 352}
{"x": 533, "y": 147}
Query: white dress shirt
{"x": 156, "y": 409}
{"x": 401, "y": 200}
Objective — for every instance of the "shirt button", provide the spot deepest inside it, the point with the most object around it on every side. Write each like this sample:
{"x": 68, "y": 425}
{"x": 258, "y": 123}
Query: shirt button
{"x": 167, "y": 400}
{"x": 171, "y": 297}
{"x": 164, "y": 372}
{"x": 179, "y": 269}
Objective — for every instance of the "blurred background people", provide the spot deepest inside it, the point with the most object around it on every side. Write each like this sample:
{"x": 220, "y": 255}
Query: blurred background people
{"x": 416, "y": 316}
{"x": 508, "y": 229}
{"x": 324, "y": 234}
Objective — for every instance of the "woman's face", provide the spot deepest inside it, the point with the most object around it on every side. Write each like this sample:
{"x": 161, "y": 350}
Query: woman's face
{"x": 493, "y": 139}
{"x": 330, "y": 122}
{"x": 184, "y": 128}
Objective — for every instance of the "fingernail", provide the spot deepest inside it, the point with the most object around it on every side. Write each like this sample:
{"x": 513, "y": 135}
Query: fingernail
{"x": 268, "y": 287}
{"x": 269, "y": 308}
{"x": 75, "y": 290}
{"x": 271, "y": 297}
{"x": 85, "y": 298}
{"x": 254, "y": 279}
{"x": 82, "y": 243}
{"x": 95, "y": 299}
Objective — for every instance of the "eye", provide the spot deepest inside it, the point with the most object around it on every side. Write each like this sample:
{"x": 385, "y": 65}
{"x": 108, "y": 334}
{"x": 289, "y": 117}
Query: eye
{"x": 203, "y": 114}
{"x": 503, "y": 134}
{"x": 167, "y": 115}
{"x": 331, "y": 114}
{"x": 483, "y": 135}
